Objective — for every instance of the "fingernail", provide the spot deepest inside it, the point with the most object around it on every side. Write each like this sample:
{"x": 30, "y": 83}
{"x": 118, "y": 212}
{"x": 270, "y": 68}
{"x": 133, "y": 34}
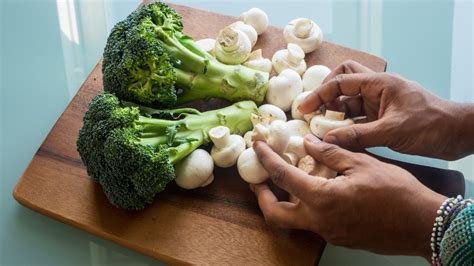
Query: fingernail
{"x": 331, "y": 139}
{"x": 312, "y": 138}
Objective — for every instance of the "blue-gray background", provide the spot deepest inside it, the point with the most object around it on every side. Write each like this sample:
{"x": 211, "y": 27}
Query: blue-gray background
{"x": 48, "y": 47}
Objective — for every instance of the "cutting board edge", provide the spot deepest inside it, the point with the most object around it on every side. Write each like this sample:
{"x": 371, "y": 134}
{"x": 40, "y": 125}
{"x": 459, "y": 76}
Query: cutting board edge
{"x": 25, "y": 202}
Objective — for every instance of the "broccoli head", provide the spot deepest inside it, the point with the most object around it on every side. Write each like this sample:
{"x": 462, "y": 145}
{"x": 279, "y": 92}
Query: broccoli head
{"x": 148, "y": 60}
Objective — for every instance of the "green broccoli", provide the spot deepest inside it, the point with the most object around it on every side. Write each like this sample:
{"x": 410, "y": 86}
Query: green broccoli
{"x": 148, "y": 60}
{"x": 132, "y": 155}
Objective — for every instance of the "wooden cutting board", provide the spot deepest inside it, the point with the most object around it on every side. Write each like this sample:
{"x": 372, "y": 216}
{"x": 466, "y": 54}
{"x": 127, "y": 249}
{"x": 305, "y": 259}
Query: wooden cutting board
{"x": 219, "y": 224}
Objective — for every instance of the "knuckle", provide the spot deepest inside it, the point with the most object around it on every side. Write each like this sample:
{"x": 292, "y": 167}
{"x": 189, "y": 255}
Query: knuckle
{"x": 329, "y": 150}
{"x": 279, "y": 174}
{"x": 348, "y": 65}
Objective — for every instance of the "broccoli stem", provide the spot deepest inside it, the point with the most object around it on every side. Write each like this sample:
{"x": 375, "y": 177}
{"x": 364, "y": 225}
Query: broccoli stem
{"x": 192, "y": 130}
{"x": 202, "y": 77}
{"x": 233, "y": 83}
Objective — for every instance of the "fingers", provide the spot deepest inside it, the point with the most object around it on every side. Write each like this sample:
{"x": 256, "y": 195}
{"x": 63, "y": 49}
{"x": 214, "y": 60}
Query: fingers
{"x": 348, "y": 67}
{"x": 279, "y": 213}
{"x": 332, "y": 156}
{"x": 351, "y": 105}
{"x": 343, "y": 84}
{"x": 284, "y": 175}
{"x": 358, "y": 136}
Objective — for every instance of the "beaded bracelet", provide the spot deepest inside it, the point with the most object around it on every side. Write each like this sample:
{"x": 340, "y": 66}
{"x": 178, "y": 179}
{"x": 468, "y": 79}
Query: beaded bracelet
{"x": 450, "y": 208}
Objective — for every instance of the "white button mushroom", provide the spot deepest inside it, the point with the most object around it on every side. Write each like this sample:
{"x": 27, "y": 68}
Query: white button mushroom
{"x": 290, "y": 58}
{"x": 314, "y": 77}
{"x": 247, "y": 29}
{"x": 284, "y": 88}
{"x": 257, "y": 62}
{"x": 195, "y": 170}
{"x": 256, "y": 18}
{"x": 298, "y": 128}
{"x": 207, "y": 45}
{"x": 295, "y": 113}
{"x": 322, "y": 124}
{"x": 227, "y": 147}
{"x": 296, "y": 146}
{"x": 305, "y": 33}
{"x": 233, "y": 47}
{"x": 250, "y": 169}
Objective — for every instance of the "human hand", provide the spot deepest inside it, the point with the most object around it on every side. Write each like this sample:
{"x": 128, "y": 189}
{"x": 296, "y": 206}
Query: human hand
{"x": 400, "y": 113}
{"x": 371, "y": 205}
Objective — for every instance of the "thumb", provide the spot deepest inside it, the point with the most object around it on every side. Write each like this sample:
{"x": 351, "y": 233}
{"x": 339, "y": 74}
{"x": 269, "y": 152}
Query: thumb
{"x": 357, "y": 136}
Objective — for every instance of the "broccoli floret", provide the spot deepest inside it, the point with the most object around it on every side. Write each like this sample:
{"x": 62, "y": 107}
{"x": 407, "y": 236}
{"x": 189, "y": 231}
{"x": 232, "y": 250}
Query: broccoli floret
{"x": 131, "y": 153}
{"x": 148, "y": 60}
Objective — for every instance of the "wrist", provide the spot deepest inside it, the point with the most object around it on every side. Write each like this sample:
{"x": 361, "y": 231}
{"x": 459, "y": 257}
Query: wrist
{"x": 427, "y": 215}
{"x": 462, "y": 140}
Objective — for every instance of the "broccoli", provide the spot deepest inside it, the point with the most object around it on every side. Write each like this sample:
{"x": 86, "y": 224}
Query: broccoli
{"x": 148, "y": 60}
{"x": 131, "y": 153}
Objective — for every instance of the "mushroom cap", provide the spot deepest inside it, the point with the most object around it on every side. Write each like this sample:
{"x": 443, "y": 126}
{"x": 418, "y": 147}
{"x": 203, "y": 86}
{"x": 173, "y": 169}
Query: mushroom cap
{"x": 250, "y": 169}
{"x": 314, "y": 77}
{"x": 295, "y": 113}
{"x": 256, "y": 18}
{"x": 227, "y": 156}
{"x": 247, "y": 29}
{"x": 320, "y": 125}
{"x": 283, "y": 89}
{"x": 233, "y": 46}
{"x": 271, "y": 112}
{"x": 305, "y": 33}
{"x": 298, "y": 128}
{"x": 207, "y": 45}
{"x": 290, "y": 58}
{"x": 194, "y": 170}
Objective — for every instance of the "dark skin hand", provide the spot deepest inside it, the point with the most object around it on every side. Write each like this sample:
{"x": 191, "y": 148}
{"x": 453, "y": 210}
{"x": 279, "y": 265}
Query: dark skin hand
{"x": 400, "y": 114}
{"x": 371, "y": 205}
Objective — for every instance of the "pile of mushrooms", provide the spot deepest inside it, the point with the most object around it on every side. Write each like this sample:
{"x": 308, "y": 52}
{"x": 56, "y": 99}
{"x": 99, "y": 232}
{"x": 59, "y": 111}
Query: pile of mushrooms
{"x": 293, "y": 82}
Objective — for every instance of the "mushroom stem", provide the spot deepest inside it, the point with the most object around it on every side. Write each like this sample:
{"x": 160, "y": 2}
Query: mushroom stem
{"x": 295, "y": 54}
{"x": 260, "y": 133}
{"x": 303, "y": 28}
{"x": 220, "y": 136}
{"x": 229, "y": 40}
{"x": 333, "y": 115}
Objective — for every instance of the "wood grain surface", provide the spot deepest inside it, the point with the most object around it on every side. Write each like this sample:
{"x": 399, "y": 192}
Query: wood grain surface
{"x": 219, "y": 224}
